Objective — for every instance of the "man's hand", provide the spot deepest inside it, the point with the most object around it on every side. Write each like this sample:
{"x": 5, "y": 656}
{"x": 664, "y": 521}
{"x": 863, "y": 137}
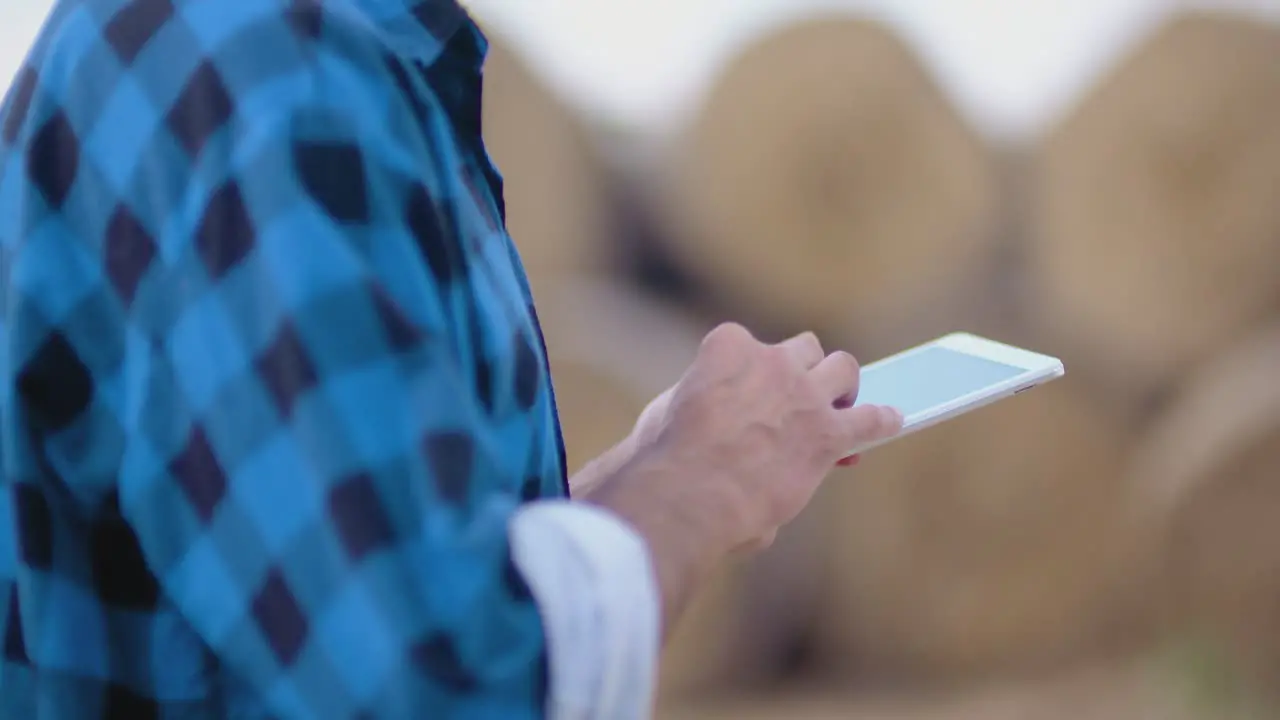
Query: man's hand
{"x": 645, "y": 431}
{"x": 736, "y": 450}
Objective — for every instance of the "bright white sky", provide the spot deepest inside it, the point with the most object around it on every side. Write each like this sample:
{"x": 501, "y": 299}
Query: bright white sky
{"x": 1011, "y": 65}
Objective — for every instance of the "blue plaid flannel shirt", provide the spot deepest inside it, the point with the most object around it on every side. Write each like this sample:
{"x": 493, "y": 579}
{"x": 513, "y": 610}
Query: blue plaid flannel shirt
{"x": 273, "y": 384}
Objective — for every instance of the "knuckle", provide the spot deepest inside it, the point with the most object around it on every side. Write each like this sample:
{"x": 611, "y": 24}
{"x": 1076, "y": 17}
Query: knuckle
{"x": 727, "y": 337}
{"x": 847, "y": 362}
{"x": 731, "y": 331}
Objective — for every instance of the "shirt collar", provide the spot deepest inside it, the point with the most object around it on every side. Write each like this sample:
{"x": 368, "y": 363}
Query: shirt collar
{"x": 418, "y": 28}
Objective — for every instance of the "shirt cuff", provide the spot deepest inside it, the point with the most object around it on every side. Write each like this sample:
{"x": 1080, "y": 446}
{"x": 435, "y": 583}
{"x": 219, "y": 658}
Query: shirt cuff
{"x": 593, "y": 580}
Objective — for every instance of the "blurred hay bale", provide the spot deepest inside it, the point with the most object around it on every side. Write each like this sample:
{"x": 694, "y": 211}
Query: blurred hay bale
{"x": 745, "y": 629}
{"x": 555, "y": 182}
{"x": 707, "y": 652}
{"x": 612, "y": 350}
{"x": 597, "y": 409}
{"x": 1001, "y": 542}
{"x": 1210, "y": 470}
{"x": 1157, "y": 230}
{"x": 1118, "y": 691}
{"x": 828, "y": 184}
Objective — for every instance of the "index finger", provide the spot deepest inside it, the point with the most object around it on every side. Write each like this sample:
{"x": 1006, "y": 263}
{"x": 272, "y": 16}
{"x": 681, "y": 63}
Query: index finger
{"x": 862, "y": 424}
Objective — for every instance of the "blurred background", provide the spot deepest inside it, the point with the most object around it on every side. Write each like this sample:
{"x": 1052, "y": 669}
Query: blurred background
{"x": 1099, "y": 180}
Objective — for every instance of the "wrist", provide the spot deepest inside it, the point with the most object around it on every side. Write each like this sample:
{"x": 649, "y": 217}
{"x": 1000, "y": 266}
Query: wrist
{"x": 685, "y": 532}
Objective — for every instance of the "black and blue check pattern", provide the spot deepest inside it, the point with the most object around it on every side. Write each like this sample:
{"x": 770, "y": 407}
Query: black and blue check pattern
{"x": 272, "y": 382}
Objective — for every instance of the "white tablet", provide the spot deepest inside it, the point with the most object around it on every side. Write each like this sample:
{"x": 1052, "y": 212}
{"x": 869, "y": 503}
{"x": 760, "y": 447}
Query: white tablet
{"x": 951, "y": 376}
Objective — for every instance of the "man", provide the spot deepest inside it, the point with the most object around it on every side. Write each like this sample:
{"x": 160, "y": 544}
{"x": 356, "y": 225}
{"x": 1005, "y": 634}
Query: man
{"x": 279, "y": 438}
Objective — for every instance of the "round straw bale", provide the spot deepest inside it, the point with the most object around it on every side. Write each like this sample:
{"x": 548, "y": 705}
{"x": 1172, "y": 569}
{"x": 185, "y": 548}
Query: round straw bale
{"x": 828, "y": 184}
{"x": 994, "y": 542}
{"x": 554, "y": 182}
{"x": 1156, "y": 225}
{"x": 612, "y": 350}
{"x": 1210, "y": 471}
{"x": 1109, "y": 691}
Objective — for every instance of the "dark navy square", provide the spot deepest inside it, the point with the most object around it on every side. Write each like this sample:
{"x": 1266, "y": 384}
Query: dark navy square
{"x": 134, "y": 26}
{"x": 53, "y": 159}
{"x": 226, "y": 234}
{"x": 439, "y": 656}
{"x": 333, "y": 175}
{"x": 200, "y": 475}
{"x": 129, "y": 251}
{"x": 286, "y": 369}
{"x": 358, "y": 517}
{"x": 450, "y": 456}
{"x": 35, "y": 526}
{"x": 203, "y": 107}
{"x": 56, "y": 384}
{"x": 282, "y": 622}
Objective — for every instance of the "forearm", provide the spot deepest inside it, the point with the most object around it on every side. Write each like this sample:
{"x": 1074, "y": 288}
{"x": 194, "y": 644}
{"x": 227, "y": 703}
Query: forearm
{"x": 644, "y": 492}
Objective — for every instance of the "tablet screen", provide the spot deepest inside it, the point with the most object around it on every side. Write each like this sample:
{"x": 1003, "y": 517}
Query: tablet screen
{"x": 929, "y": 377}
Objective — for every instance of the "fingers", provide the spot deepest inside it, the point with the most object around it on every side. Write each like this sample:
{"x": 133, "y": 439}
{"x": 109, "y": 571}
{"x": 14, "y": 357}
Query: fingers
{"x": 804, "y": 349}
{"x": 867, "y": 423}
{"x": 836, "y": 377}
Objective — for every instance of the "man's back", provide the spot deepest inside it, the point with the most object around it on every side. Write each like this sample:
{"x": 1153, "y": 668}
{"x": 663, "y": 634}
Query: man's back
{"x": 233, "y": 238}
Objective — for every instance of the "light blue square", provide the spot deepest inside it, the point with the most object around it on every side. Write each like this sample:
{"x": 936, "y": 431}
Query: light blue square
{"x": 140, "y": 470}
{"x": 213, "y": 22}
{"x": 287, "y": 701}
{"x": 54, "y": 269}
{"x": 122, "y": 134}
{"x": 457, "y": 580}
{"x": 355, "y": 91}
{"x": 12, "y": 171}
{"x": 206, "y": 350}
{"x": 279, "y": 492}
{"x": 371, "y": 403}
{"x": 269, "y": 94}
{"x": 306, "y": 256}
{"x": 136, "y": 374}
{"x": 206, "y": 592}
{"x": 357, "y": 642}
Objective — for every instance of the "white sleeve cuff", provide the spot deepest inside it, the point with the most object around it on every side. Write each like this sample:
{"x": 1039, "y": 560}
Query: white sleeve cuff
{"x": 594, "y": 583}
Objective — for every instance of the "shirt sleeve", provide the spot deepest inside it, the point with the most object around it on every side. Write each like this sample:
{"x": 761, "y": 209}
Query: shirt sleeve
{"x": 592, "y": 577}
{"x": 302, "y": 471}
